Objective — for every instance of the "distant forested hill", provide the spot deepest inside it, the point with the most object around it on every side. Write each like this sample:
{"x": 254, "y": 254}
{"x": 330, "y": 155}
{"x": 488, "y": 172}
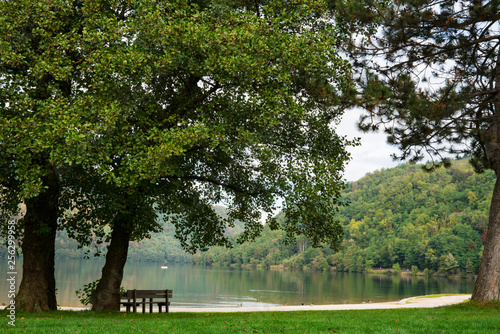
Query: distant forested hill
{"x": 402, "y": 216}
{"x": 411, "y": 217}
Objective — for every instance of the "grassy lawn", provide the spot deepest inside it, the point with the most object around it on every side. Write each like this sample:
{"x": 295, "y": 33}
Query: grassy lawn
{"x": 441, "y": 295}
{"x": 463, "y": 318}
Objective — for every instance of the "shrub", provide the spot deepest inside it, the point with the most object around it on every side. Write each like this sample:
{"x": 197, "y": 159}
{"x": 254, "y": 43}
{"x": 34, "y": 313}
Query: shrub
{"x": 86, "y": 294}
{"x": 414, "y": 270}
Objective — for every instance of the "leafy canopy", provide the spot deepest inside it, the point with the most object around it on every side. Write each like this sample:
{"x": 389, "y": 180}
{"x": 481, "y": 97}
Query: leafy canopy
{"x": 190, "y": 103}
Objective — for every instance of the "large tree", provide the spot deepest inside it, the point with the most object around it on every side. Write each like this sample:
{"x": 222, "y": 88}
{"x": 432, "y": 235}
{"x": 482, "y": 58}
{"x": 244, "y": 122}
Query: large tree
{"x": 429, "y": 76}
{"x": 209, "y": 78}
{"x": 185, "y": 103}
{"x": 36, "y": 62}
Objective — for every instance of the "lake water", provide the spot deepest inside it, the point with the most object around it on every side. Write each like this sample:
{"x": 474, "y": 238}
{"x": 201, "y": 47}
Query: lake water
{"x": 213, "y": 286}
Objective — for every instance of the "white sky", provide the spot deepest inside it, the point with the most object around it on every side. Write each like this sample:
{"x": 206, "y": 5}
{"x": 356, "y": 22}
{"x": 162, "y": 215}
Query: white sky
{"x": 374, "y": 152}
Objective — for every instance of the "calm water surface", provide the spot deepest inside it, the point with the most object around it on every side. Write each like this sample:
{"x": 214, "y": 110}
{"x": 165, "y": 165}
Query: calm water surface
{"x": 212, "y": 286}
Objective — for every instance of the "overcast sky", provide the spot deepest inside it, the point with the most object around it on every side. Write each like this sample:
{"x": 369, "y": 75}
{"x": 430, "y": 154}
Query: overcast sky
{"x": 374, "y": 152}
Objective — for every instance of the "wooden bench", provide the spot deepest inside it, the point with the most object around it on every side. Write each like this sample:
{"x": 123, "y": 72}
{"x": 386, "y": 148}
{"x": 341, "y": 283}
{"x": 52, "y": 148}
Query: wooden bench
{"x": 134, "y": 298}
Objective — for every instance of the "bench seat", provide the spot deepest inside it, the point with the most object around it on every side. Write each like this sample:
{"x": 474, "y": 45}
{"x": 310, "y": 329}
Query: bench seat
{"x": 135, "y": 298}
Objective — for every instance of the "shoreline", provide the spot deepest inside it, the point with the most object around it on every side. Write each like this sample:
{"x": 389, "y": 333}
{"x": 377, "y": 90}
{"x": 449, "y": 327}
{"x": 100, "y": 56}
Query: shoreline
{"x": 411, "y": 302}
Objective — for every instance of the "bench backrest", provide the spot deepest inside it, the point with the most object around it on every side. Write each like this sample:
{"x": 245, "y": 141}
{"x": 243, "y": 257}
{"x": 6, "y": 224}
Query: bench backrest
{"x": 148, "y": 294}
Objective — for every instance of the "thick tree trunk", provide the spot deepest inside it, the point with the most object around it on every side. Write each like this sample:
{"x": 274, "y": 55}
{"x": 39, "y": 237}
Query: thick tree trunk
{"x": 107, "y": 294}
{"x": 487, "y": 285}
{"x": 37, "y": 292}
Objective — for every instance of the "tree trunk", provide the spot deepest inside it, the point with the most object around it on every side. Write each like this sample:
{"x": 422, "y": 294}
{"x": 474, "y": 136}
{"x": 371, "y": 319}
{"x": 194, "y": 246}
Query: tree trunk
{"x": 487, "y": 285}
{"x": 107, "y": 294}
{"x": 37, "y": 292}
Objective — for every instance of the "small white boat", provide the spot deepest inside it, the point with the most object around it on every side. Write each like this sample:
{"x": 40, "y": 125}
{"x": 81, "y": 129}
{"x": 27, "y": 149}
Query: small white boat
{"x": 163, "y": 267}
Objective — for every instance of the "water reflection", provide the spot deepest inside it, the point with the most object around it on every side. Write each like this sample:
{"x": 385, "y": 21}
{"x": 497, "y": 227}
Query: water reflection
{"x": 212, "y": 286}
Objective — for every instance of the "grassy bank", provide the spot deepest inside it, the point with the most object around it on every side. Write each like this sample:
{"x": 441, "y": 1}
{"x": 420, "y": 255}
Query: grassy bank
{"x": 463, "y": 318}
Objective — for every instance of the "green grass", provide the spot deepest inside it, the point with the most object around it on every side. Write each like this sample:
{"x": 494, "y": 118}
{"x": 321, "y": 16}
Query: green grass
{"x": 462, "y": 318}
{"x": 442, "y": 295}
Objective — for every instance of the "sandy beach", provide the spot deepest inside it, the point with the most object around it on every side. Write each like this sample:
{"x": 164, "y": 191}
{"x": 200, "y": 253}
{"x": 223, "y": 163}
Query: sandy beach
{"x": 413, "y": 302}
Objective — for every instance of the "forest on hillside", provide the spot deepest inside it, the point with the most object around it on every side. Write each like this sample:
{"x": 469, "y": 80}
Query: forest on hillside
{"x": 401, "y": 217}
{"x": 411, "y": 217}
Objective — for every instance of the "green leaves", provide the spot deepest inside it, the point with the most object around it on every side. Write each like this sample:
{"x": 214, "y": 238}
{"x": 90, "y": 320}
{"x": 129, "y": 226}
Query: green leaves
{"x": 192, "y": 104}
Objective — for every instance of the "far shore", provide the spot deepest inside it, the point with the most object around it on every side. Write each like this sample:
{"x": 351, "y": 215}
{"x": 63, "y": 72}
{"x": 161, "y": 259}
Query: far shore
{"x": 384, "y": 271}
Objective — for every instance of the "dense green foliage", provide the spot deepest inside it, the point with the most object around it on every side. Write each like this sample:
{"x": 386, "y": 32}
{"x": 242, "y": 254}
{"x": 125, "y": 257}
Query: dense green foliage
{"x": 402, "y": 216}
{"x": 414, "y": 218}
{"x": 194, "y": 98}
{"x": 462, "y": 318}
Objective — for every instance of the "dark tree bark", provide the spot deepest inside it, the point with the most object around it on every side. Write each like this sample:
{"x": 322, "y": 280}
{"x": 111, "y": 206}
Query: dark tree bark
{"x": 107, "y": 294}
{"x": 487, "y": 285}
{"x": 37, "y": 292}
